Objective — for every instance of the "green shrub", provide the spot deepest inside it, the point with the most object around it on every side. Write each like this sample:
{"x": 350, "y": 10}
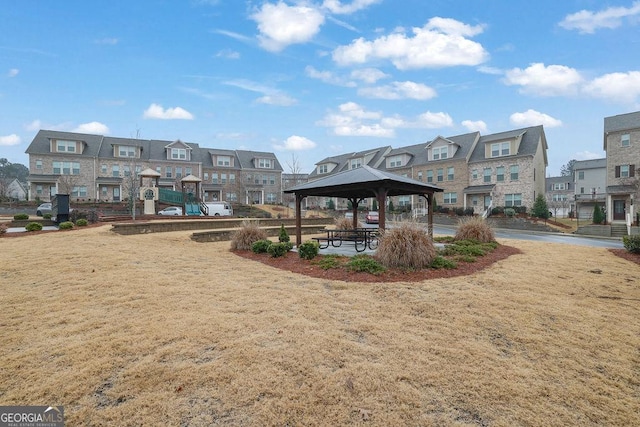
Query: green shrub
{"x": 46, "y": 216}
{"x": 510, "y": 212}
{"x": 283, "y": 236}
{"x": 365, "y": 264}
{"x": 441, "y": 262}
{"x": 34, "y": 226}
{"x": 632, "y": 243}
{"x": 66, "y": 225}
{"x": 261, "y": 246}
{"x": 278, "y": 249}
{"x": 82, "y": 222}
{"x": 474, "y": 228}
{"x": 248, "y": 233}
{"x": 331, "y": 261}
{"x": 407, "y": 246}
{"x": 21, "y": 216}
{"x": 497, "y": 210}
{"x": 309, "y": 249}
{"x": 598, "y": 215}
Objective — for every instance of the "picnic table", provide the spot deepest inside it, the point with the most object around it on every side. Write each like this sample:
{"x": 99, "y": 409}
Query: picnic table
{"x": 362, "y": 238}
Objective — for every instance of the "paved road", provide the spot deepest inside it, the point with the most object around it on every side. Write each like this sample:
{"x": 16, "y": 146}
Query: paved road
{"x": 570, "y": 239}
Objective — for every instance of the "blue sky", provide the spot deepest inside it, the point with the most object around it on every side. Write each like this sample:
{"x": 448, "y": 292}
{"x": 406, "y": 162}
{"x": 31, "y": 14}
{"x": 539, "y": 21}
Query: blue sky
{"x": 311, "y": 79}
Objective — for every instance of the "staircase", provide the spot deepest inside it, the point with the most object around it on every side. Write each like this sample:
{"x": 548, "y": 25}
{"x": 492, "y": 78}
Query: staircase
{"x": 618, "y": 229}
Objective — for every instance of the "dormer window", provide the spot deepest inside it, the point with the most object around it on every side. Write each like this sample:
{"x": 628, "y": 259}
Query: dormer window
{"x": 355, "y": 163}
{"x": 499, "y": 149}
{"x": 395, "y": 161}
{"x": 224, "y": 161}
{"x": 440, "y": 153}
{"x": 264, "y": 163}
{"x": 323, "y": 169}
{"x": 127, "y": 151}
{"x": 179, "y": 153}
{"x": 66, "y": 146}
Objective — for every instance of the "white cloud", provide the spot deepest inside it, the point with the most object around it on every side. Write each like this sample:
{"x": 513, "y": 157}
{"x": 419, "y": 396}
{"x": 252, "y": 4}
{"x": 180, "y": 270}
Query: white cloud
{"x": 34, "y": 125}
{"x": 296, "y": 143}
{"x": 156, "y": 111}
{"x": 13, "y": 72}
{"x": 336, "y": 6}
{"x": 431, "y": 120}
{"x": 618, "y": 87}
{"x": 328, "y": 77}
{"x": 108, "y": 41}
{"x": 440, "y": 43}
{"x": 533, "y": 118}
{"x": 92, "y": 127}
{"x": 399, "y": 90}
{"x": 8, "y": 140}
{"x": 490, "y": 70}
{"x": 355, "y": 110}
{"x": 281, "y": 25}
{"x": 228, "y": 54}
{"x": 587, "y": 155}
{"x": 587, "y": 22}
{"x": 474, "y": 126}
{"x": 353, "y": 120}
{"x": 541, "y": 80}
{"x": 233, "y": 35}
{"x": 368, "y": 75}
{"x": 277, "y": 99}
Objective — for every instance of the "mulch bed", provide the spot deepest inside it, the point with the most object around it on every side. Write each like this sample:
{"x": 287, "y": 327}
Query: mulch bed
{"x": 623, "y": 253}
{"x": 292, "y": 262}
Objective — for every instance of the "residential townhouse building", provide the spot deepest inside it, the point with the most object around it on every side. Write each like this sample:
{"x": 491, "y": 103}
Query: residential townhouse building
{"x": 622, "y": 145}
{"x": 589, "y": 181}
{"x": 560, "y": 195}
{"x": 95, "y": 167}
{"x": 480, "y": 172}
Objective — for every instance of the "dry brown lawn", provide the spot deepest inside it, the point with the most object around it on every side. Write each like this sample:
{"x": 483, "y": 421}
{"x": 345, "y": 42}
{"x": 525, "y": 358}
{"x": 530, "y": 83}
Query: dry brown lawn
{"x": 159, "y": 330}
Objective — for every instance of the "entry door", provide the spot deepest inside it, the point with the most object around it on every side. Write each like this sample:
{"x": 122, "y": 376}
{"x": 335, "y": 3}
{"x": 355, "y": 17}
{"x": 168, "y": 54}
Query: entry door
{"x": 618, "y": 210}
{"x": 487, "y": 201}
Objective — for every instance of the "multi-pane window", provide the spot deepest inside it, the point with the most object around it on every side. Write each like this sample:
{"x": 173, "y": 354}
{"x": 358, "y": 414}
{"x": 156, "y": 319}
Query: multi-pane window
{"x": 232, "y": 197}
{"x": 487, "y": 174}
{"x": 223, "y": 178}
{"x": 420, "y": 176}
{"x": 138, "y": 169}
{"x": 224, "y": 161}
{"x": 126, "y": 170}
{"x": 513, "y": 199}
{"x": 272, "y": 197}
{"x": 450, "y": 174}
{"x": 126, "y": 151}
{"x": 440, "y": 153}
{"x": 272, "y": 179}
{"x": 474, "y": 174}
{"x": 440, "y": 175}
{"x": 159, "y": 169}
{"x": 232, "y": 178}
{"x": 395, "y": 161}
{"x": 514, "y": 170}
{"x": 429, "y": 176}
{"x": 450, "y": 198}
{"x": 624, "y": 171}
{"x": 38, "y": 164}
{"x": 115, "y": 171}
{"x": 178, "y": 171}
{"x": 625, "y": 141}
{"x": 559, "y": 197}
{"x": 188, "y": 171}
{"x": 265, "y": 163}
{"x": 355, "y": 163}
{"x": 214, "y": 178}
{"x": 66, "y": 168}
{"x": 580, "y": 174}
{"x": 500, "y": 149}
{"x": 79, "y": 191}
{"x": 103, "y": 169}
{"x": 168, "y": 172}
{"x": 323, "y": 169}
{"x": 500, "y": 173}
{"x": 39, "y": 190}
{"x": 559, "y": 186}
{"x": 104, "y": 191}
{"x": 66, "y": 146}
{"x": 179, "y": 153}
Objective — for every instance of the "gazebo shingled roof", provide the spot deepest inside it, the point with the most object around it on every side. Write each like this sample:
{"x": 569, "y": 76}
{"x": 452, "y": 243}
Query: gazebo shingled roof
{"x": 360, "y": 183}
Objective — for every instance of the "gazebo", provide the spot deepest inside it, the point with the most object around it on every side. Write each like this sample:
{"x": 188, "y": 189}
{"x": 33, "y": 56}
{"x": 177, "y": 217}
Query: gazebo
{"x": 361, "y": 183}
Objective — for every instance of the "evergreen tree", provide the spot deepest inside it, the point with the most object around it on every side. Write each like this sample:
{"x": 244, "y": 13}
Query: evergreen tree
{"x": 283, "y": 236}
{"x": 331, "y": 205}
{"x": 374, "y": 205}
{"x": 598, "y": 215}
{"x": 540, "y": 208}
{"x": 391, "y": 208}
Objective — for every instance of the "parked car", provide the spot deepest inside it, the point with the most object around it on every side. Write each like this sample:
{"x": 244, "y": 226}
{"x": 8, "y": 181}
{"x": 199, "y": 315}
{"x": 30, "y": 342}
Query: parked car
{"x": 44, "y": 208}
{"x": 372, "y": 217}
{"x": 171, "y": 210}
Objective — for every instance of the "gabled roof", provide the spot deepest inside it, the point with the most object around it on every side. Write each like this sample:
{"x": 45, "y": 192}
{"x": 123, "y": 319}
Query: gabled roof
{"x": 590, "y": 164}
{"x": 246, "y": 159}
{"x": 620, "y": 123}
{"x": 361, "y": 183}
{"x": 530, "y": 138}
{"x": 342, "y": 160}
{"x": 41, "y": 142}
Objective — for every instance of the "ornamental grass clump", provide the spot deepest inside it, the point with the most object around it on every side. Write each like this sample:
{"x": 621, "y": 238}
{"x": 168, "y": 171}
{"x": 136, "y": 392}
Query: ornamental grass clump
{"x": 407, "y": 246}
{"x": 248, "y": 233}
{"x": 474, "y": 228}
{"x": 344, "y": 223}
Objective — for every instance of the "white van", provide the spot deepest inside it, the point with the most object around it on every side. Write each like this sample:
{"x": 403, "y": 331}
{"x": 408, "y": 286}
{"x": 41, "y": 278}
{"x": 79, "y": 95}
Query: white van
{"x": 219, "y": 209}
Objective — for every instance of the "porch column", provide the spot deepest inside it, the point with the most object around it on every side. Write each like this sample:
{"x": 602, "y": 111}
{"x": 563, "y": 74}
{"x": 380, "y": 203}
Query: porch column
{"x": 299, "y": 198}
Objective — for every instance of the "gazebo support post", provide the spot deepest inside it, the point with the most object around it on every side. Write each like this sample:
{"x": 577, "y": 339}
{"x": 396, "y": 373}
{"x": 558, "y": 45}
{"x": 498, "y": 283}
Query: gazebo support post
{"x": 299, "y": 199}
{"x": 429, "y": 197}
{"x": 381, "y": 197}
{"x": 354, "y": 208}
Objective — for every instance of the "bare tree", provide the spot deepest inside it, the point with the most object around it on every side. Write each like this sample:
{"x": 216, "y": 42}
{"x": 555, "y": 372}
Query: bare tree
{"x": 66, "y": 183}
